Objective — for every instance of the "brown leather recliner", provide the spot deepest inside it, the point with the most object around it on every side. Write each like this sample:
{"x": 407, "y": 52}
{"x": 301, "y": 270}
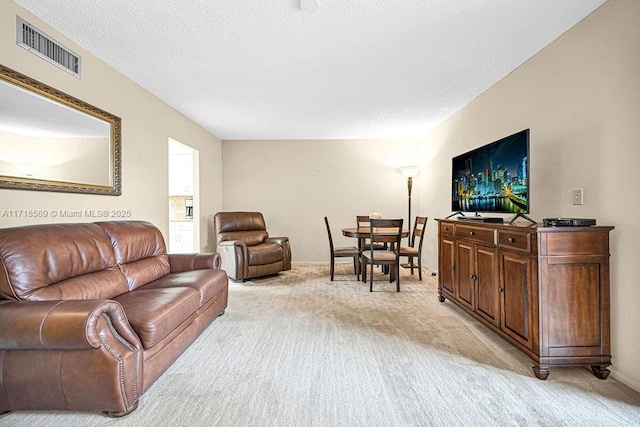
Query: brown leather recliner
{"x": 245, "y": 246}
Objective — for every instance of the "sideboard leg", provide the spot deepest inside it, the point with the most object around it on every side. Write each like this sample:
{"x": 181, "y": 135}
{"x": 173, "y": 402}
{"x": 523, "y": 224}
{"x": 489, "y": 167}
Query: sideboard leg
{"x": 541, "y": 373}
{"x": 600, "y": 371}
{"x": 441, "y": 298}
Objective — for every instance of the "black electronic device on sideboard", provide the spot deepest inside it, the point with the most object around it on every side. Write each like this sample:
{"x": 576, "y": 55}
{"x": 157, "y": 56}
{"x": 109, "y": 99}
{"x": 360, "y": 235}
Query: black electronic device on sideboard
{"x": 568, "y": 222}
{"x": 493, "y": 178}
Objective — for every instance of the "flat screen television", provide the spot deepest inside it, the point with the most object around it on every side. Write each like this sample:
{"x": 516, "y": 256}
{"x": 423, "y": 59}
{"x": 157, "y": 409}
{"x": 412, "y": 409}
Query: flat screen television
{"x": 493, "y": 178}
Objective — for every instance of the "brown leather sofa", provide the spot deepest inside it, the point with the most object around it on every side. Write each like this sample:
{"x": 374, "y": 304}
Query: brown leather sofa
{"x": 245, "y": 246}
{"x": 92, "y": 314}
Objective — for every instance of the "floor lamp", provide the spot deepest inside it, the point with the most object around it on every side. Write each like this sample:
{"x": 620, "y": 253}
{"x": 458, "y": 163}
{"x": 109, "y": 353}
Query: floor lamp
{"x": 410, "y": 172}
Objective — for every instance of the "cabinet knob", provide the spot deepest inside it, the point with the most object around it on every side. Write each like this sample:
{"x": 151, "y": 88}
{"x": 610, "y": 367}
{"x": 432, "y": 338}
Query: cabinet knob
{"x": 453, "y": 267}
{"x": 473, "y": 277}
{"x": 472, "y": 233}
{"x": 500, "y": 290}
{"x": 511, "y": 239}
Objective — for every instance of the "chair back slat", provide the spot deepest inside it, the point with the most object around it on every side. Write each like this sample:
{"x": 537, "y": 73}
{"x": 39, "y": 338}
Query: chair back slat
{"x": 386, "y": 231}
{"x": 362, "y": 220}
{"x": 418, "y": 230}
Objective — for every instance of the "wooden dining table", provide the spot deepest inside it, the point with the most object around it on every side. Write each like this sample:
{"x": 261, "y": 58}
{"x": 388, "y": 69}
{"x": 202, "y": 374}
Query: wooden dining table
{"x": 364, "y": 232}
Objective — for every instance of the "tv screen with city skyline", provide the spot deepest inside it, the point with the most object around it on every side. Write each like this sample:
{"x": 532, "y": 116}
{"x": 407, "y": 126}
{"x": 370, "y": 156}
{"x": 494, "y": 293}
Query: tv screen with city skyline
{"x": 493, "y": 178}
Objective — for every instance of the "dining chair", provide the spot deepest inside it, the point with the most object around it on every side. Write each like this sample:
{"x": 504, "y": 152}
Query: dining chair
{"x": 364, "y": 221}
{"x": 413, "y": 251}
{"x": 342, "y": 252}
{"x": 365, "y": 244}
{"x": 389, "y": 232}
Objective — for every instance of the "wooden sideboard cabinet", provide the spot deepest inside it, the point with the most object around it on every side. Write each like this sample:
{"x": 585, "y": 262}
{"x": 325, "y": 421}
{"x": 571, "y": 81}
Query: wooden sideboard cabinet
{"x": 543, "y": 289}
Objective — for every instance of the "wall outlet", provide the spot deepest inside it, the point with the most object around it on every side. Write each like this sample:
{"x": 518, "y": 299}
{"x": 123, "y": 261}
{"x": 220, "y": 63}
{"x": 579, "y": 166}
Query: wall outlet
{"x": 577, "y": 195}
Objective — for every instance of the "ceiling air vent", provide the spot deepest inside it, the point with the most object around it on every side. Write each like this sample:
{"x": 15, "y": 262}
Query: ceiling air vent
{"x": 34, "y": 40}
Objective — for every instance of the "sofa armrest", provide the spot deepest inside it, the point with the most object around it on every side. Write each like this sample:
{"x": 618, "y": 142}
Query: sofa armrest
{"x": 235, "y": 259}
{"x": 69, "y": 355}
{"x": 189, "y": 262}
{"x": 284, "y": 242}
{"x": 61, "y": 325}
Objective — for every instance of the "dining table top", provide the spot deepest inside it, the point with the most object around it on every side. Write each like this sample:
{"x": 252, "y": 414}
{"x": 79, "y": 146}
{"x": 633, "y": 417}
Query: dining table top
{"x": 364, "y": 232}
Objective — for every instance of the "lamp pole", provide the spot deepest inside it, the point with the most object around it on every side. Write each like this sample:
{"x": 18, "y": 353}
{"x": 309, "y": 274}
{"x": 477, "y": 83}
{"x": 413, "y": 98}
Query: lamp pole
{"x": 409, "y": 185}
{"x": 410, "y": 172}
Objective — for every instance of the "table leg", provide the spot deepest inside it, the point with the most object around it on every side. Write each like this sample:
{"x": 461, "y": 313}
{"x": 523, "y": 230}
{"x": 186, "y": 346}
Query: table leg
{"x": 360, "y": 263}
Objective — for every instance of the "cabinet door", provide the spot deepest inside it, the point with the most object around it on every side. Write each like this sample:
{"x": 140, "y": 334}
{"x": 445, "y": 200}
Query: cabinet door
{"x": 465, "y": 274}
{"x": 516, "y": 296}
{"x": 487, "y": 294}
{"x": 446, "y": 275}
{"x": 575, "y": 306}
{"x": 180, "y": 175}
{"x": 180, "y": 237}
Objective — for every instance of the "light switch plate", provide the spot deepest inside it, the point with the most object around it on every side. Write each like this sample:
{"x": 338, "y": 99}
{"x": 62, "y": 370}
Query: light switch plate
{"x": 577, "y": 195}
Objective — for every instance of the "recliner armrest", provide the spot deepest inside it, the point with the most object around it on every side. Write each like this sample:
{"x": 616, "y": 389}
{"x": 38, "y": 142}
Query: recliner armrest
{"x": 197, "y": 261}
{"x": 284, "y": 242}
{"x": 235, "y": 259}
{"x": 61, "y": 325}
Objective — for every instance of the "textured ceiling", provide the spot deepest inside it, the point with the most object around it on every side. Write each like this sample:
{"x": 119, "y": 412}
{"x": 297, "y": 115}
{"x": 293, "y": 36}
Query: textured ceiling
{"x": 265, "y": 69}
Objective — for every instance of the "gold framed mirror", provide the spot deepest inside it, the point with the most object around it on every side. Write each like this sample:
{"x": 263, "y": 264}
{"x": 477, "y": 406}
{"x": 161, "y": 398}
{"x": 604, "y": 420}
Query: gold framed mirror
{"x": 51, "y": 141}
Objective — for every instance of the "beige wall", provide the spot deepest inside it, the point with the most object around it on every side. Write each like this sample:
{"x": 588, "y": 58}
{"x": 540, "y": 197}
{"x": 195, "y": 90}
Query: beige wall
{"x": 296, "y": 183}
{"x": 580, "y": 97}
{"x": 147, "y": 123}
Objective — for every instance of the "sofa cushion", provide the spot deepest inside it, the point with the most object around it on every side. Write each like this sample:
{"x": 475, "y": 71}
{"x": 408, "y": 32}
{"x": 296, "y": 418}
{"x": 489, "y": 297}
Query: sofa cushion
{"x": 154, "y": 313}
{"x": 58, "y": 261}
{"x": 139, "y": 250}
{"x": 265, "y": 253}
{"x": 208, "y": 283}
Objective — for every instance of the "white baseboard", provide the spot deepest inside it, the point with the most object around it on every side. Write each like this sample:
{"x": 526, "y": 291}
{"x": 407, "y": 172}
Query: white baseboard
{"x": 625, "y": 380}
{"x": 433, "y": 271}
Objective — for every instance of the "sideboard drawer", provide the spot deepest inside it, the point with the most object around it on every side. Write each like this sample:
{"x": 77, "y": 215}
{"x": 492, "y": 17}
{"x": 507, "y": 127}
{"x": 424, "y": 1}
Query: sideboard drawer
{"x": 477, "y": 234}
{"x": 514, "y": 240}
{"x": 446, "y": 229}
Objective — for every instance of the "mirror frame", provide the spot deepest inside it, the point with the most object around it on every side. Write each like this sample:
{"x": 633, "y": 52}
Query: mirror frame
{"x": 18, "y": 183}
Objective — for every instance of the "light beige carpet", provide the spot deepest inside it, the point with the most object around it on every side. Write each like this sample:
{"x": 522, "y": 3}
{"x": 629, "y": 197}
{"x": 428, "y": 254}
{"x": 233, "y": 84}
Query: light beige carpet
{"x": 300, "y": 350}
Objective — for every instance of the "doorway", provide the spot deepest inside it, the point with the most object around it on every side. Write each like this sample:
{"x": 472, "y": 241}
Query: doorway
{"x": 184, "y": 212}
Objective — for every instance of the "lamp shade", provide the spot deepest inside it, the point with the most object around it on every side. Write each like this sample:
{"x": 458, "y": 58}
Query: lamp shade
{"x": 410, "y": 171}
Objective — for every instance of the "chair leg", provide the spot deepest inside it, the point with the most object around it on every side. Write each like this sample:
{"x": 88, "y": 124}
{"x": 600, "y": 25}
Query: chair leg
{"x": 356, "y": 269}
{"x": 332, "y": 266}
{"x": 411, "y": 264}
{"x": 398, "y": 277}
{"x": 371, "y": 279}
{"x": 419, "y": 269}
